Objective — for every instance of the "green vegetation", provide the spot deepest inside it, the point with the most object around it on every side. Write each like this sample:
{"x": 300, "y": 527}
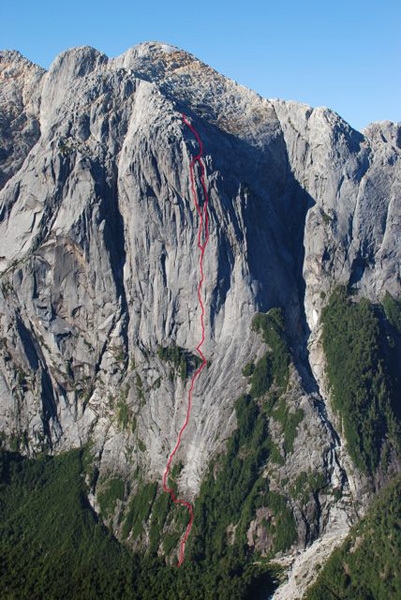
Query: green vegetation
{"x": 326, "y": 218}
{"x": 289, "y": 422}
{"x": 283, "y": 526}
{"x": 306, "y": 484}
{"x": 273, "y": 367}
{"x": 50, "y": 543}
{"x": 52, "y": 546}
{"x": 359, "y": 373}
{"x": 161, "y": 509}
{"x": 123, "y": 415}
{"x": 112, "y": 491}
{"x": 152, "y": 511}
{"x": 184, "y": 361}
{"x": 392, "y": 310}
{"x": 173, "y": 476}
{"x": 391, "y": 334}
{"x": 139, "y": 511}
{"x": 269, "y": 377}
{"x": 139, "y": 389}
{"x": 64, "y": 146}
{"x": 367, "y": 565}
{"x": 141, "y": 445}
{"x": 234, "y": 489}
{"x": 248, "y": 370}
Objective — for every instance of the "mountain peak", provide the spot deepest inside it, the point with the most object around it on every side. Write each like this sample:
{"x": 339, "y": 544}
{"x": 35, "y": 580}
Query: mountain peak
{"x": 387, "y": 132}
{"x": 156, "y": 60}
{"x": 12, "y": 62}
{"x": 79, "y": 61}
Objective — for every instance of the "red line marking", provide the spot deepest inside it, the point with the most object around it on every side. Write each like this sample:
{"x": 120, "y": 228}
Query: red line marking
{"x": 203, "y": 238}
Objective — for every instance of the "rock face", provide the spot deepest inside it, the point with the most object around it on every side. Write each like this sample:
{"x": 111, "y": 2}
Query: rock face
{"x": 19, "y": 101}
{"x": 98, "y": 259}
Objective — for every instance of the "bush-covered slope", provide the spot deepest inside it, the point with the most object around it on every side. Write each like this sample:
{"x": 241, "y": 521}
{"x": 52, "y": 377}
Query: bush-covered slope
{"x": 359, "y": 347}
{"x": 367, "y": 566}
{"x": 361, "y": 342}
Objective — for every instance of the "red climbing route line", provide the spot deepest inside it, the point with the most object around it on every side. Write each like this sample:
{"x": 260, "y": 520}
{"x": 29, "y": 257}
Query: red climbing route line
{"x": 203, "y": 238}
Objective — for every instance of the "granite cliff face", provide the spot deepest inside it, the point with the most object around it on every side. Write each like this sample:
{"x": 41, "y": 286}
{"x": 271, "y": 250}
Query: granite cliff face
{"x": 99, "y": 266}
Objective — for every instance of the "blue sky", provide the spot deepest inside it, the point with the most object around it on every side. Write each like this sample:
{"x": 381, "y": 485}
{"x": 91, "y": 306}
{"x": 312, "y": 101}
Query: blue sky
{"x": 344, "y": 54}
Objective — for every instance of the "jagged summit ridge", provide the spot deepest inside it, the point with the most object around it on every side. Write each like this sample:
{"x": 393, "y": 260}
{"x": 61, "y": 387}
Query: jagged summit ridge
{"x": 182, "y": 73}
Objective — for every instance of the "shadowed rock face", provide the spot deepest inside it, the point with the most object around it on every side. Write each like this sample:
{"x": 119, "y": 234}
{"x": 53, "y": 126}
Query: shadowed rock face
{"x": 99, "y": 259}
